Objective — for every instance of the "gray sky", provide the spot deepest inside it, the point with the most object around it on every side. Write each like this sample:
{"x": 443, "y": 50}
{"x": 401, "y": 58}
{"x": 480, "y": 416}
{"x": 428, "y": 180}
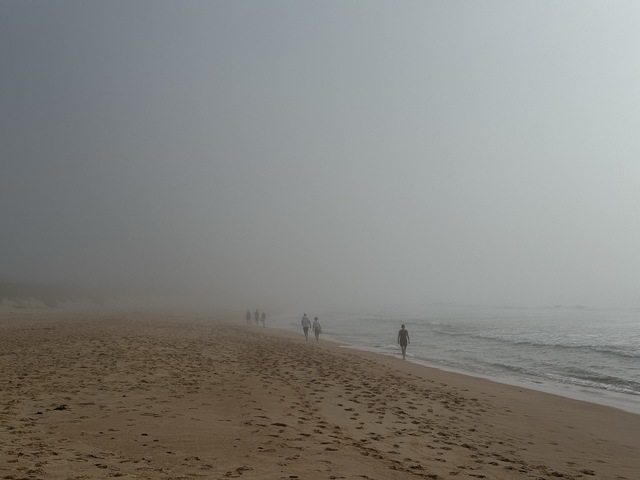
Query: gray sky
{"x": 329, "y": 154}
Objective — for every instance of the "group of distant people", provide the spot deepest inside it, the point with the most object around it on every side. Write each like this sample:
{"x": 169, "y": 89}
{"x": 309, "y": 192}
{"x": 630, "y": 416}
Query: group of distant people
{"x": 316, "y": 327}
{"x": 403, "y": 334}
{"x": 256, "y": 317}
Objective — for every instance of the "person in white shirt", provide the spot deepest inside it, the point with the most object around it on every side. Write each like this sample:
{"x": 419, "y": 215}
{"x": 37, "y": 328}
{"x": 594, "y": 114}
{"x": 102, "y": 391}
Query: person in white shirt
{"x": 317, "y": 329}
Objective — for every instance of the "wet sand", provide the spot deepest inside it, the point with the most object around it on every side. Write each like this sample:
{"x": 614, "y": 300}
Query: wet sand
{"x": 150, "y": 396}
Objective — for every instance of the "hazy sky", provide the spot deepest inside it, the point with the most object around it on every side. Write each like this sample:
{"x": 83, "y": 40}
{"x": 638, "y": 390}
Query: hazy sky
{"x": 328, "y": 154}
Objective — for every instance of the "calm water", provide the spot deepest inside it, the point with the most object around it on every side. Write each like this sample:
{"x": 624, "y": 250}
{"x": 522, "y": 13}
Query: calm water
{"x": 591, "y": 354}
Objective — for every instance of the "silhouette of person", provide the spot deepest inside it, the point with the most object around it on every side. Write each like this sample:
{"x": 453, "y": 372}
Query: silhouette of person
{"x": 317, "y": 329}
{"x": 306, "y": 323}
{"x": 248, "y": 316}
{"x": 263, "y": 318}
{"x": 256, "y": 317}
{"x": 403, "y": 340}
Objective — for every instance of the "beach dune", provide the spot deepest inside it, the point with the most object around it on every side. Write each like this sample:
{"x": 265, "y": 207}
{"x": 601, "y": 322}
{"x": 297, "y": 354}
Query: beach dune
{"x": 146, "y": 396}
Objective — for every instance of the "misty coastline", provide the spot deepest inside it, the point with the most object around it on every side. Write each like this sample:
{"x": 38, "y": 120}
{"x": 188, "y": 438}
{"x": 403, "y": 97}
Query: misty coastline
{"x": 584, "y": 353}
{"x": 437, "y": 335}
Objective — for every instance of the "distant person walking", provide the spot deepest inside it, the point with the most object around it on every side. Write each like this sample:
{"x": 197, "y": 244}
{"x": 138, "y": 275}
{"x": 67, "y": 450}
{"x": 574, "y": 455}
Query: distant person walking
{"x": 248, "y": 316}
{"x": 317, "y": 329}
{"x": 256, "y": 317}
{"x": 263, "y": 319}
{"x": 306, "y": 324}
{"x": 403, "y": 340}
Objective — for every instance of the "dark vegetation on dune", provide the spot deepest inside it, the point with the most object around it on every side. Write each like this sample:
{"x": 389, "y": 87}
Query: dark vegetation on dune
{"x": 16, "y": 294}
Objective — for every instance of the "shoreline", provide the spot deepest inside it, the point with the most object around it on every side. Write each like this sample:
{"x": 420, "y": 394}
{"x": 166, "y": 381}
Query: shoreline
{"x": 626, "y": 402}
{"x": 147, "y": 395}
{"x": 614, "y": 400}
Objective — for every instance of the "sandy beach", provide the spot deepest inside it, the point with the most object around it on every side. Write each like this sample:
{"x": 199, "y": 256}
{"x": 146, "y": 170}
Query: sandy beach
{"x": 159, "y": 396}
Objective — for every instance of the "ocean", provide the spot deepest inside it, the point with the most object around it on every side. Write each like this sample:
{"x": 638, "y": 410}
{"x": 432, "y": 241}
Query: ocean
{"x": 590, "y": 354}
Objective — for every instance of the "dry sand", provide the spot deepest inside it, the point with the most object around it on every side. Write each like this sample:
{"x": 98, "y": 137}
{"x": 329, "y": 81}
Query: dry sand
{"x": 168, "y": 397}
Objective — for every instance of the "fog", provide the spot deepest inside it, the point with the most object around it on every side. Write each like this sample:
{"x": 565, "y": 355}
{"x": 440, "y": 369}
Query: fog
{"x": 294, "y": 154}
